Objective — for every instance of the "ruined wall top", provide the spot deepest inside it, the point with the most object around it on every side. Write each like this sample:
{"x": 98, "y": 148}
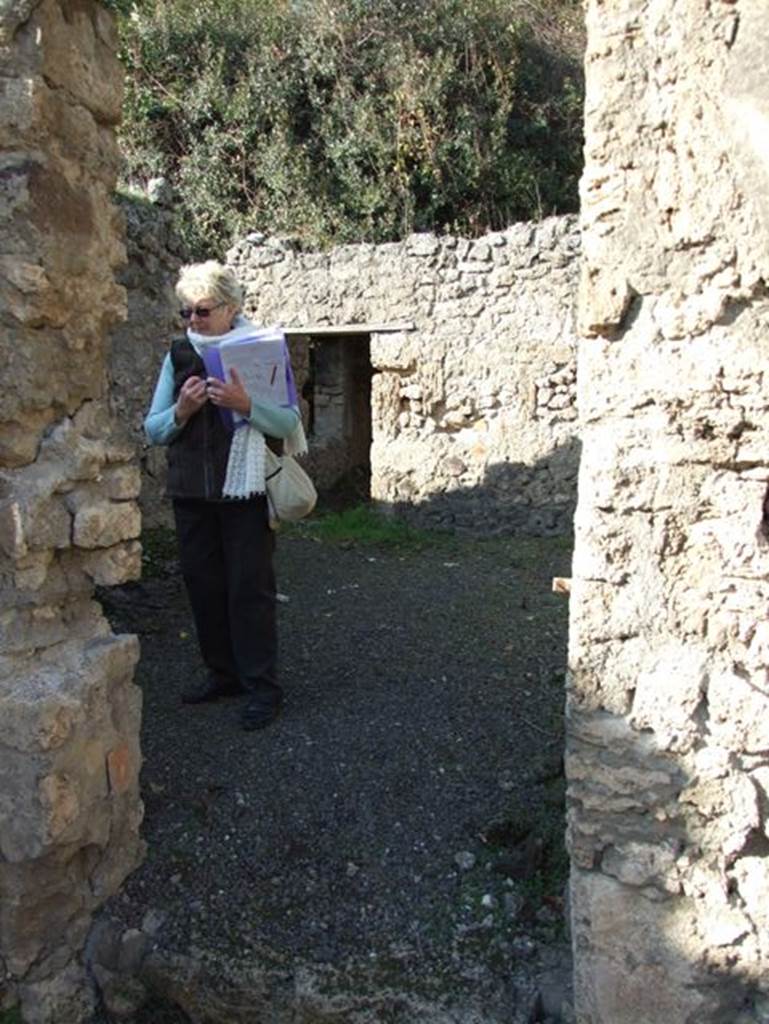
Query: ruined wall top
{"x": 473, "y": 402}
{"x": 438, "y": 282}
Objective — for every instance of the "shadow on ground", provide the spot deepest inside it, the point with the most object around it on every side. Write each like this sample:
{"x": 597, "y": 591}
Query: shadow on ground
{"x": 400, "y": 827}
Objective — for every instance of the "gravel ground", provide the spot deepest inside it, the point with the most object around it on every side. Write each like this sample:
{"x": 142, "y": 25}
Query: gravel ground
{"x": 406, "y": 807}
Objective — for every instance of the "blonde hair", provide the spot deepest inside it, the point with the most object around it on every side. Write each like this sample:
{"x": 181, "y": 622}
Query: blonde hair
{"x": 209, "y": 280}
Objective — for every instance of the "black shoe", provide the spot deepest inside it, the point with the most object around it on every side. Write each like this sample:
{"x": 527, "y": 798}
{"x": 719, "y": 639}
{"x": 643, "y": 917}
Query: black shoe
{"x": 209, "y": 689}
{"x": 258, "y": 716}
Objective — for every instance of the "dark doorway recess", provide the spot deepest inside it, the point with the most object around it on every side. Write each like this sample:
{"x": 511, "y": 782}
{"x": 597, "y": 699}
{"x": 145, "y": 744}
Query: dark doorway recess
{"x": 338, "y": 396}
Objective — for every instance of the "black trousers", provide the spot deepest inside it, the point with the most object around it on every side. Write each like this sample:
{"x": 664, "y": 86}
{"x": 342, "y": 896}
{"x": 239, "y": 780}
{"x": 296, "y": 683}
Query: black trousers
{"x": 225, "y": 550}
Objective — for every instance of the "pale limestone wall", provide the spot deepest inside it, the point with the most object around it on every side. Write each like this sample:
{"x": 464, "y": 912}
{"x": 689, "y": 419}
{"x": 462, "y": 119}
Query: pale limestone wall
{"x": 69, "y": 712}
{"x": 668, "y": 746}
{"x": 473, "y": 410}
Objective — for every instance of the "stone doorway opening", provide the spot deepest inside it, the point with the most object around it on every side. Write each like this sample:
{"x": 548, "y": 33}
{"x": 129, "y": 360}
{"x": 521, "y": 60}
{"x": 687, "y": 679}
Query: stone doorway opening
{"x": 336, "y": 390}
{"x": 335, "y": 376}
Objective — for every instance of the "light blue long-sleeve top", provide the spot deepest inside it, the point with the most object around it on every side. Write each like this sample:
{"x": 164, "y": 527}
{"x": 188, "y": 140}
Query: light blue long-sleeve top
{"x": 161, "y": 427}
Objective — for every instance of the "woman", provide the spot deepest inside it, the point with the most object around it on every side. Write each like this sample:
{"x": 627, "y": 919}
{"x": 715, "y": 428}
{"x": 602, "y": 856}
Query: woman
{"x": 216, "y": 483}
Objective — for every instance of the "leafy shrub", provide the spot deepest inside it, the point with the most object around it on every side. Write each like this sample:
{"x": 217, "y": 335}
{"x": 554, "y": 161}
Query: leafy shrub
{"x": 353, "y": 120}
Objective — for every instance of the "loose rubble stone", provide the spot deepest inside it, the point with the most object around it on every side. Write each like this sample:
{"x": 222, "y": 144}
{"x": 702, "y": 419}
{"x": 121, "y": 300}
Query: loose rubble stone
{"x": 465, "y": 860}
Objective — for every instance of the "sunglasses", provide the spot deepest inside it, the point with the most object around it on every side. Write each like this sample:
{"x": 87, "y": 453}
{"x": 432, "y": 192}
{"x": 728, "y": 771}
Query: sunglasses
{"x": 186, "y": 312}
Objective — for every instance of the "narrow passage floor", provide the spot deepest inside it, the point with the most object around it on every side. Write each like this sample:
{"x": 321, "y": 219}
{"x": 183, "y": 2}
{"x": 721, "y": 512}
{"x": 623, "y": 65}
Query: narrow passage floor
{"x": 400, "y": 827}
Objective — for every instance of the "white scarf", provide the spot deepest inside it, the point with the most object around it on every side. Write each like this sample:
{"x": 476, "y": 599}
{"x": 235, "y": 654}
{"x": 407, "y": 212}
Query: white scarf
{"x": 245, "y": 465}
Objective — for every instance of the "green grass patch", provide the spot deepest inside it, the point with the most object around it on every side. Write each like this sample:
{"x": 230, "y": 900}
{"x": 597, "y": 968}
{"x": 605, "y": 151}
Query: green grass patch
{"x": 362, "y": 524}
{"x": 11, "y": 1016}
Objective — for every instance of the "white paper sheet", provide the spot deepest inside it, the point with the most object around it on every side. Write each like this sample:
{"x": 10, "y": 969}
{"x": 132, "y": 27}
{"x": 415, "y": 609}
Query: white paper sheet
{"x": 261, "y": 362}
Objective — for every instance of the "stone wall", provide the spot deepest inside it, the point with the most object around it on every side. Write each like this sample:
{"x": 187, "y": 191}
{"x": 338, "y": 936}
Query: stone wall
{"x": 473, "y": 406}
{"x": 69, "y": 712}
{"x": 668, "y": 747}
{"x": 140, "y": 341}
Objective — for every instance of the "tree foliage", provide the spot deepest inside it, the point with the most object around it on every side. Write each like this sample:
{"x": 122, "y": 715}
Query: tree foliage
{"x": 352, "y": 120}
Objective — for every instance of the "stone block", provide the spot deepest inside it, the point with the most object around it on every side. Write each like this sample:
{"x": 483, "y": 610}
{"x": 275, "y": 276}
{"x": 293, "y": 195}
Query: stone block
{"x": 644, "y": 864}
{"x": 47, "y": 580}
{"x": 120, "y": 447}
{"x": 59, "y": 726}
{"x": 480, "y": 252}
{"x": 727, "y": 811}
{"x": 122, "y": 482}
{"x": 422, "y": 245}
{"x": 113, "y": 566}
{"x": 31, "y": 571}
{"x": 43, "y": 625}
{"x": 669, "y": 693}
{"x": 738, "y": 718}
{"x": 33, "y": 516}
{"x": 79, "y": 56}
{"x": 101, "y": 524}
{"x": 74, "y": 455}
{"x": 112, "y": 658}
{"x": 46, "y": 523}
{"x": 658, "y": 982}
{"x": 43, "y": 918}
{"x": 21, "y": 434}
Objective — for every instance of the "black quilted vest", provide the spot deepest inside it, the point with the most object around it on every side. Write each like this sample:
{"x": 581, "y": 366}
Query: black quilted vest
{"x": 197, "y": 457}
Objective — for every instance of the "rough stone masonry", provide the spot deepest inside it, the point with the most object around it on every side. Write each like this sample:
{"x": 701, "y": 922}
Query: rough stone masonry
{"x": 668, "y": 749}
{"x": 473, "y": 407}
{"x": 69, "y": 711}
{"x": 668, "y": 717}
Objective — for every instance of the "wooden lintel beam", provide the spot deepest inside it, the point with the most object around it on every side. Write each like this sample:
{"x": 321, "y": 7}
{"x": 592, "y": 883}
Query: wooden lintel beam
{"x": 319, "y": 330}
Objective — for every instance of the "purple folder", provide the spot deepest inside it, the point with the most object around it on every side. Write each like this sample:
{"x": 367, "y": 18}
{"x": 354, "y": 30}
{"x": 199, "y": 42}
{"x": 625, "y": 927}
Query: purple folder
{"x": 213, "y": 364}
{"x": 212, "y": 361}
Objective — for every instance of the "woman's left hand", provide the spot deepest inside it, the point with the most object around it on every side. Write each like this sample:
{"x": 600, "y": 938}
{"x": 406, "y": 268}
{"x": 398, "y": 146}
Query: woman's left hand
{"x": 229, "y": 394}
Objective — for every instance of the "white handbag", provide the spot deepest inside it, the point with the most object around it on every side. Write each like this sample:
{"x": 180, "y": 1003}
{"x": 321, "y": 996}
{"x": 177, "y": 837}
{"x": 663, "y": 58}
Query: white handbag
{"x": 290, "y": 492}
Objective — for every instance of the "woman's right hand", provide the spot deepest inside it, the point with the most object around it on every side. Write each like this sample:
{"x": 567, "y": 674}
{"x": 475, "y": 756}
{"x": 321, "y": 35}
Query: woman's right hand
{"x": 192, "y": 396}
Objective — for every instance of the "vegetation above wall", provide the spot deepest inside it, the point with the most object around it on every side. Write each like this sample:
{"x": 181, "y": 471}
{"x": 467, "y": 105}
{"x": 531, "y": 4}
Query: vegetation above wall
{"x": 353, "y": 120}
